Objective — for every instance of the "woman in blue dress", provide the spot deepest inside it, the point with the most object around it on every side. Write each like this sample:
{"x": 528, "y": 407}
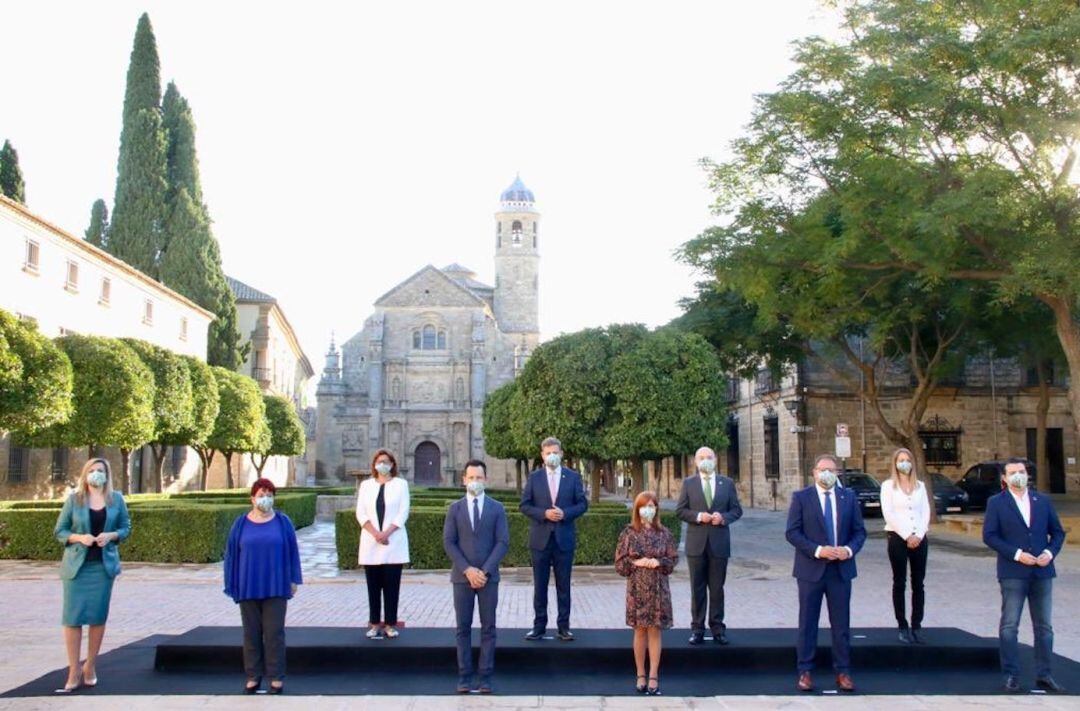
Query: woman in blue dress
{"x": 262, "y": 570}
{"x": 93, "y": 521}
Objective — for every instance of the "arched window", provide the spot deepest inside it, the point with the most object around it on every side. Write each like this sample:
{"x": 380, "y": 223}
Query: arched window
{"x": 459, "y": 390}
{"x": 498, "y": 234}
{"x": 442, "y": 340}
{"x": 429, "y": 336}
{"x": 515, "y": 230}
{"x": 395, "y": 389}
{"x": 416, "y": 340}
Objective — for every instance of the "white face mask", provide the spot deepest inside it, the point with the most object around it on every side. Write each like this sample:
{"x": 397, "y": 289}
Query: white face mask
{"x": 265, "y": 503}
{"x": 827, "y": 478}
{"x": 707, "y": 465}
{"x": 553, "y": 460}
{"x": 475, "y": 487}
{"x": 96, "y": 479}
{"x": 647, "y": 513}
{"x": 383, "y": 468}
{"x": 1018, "y": 480}
{"x": 904, "y": 467}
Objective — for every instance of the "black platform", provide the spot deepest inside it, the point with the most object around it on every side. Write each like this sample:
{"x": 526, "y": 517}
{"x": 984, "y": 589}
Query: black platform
{"x": 342, "y": 661}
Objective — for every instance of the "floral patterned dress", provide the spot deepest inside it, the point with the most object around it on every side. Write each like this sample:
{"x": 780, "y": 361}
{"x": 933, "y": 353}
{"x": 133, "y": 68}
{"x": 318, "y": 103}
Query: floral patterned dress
{"x": 648, "y": 596}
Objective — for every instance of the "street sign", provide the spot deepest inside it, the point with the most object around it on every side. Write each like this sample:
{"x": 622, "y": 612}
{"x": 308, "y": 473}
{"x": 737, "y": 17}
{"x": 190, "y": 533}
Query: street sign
{"x": 843, "y": 447}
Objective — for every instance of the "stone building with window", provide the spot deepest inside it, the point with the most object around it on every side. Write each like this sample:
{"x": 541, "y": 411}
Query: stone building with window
{"x": 415, "y": 377}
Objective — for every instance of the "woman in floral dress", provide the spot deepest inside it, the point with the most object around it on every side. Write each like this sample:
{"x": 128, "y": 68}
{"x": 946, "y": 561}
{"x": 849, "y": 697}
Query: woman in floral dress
{"x": 646, "y": 556}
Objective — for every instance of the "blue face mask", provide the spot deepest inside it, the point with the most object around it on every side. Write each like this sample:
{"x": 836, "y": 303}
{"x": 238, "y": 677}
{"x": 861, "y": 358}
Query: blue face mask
{"x": 265, "y": 503}
{"x": 96, "y": 479}
{"x": 553, "y": 460}
{"x": 475, "y": 487}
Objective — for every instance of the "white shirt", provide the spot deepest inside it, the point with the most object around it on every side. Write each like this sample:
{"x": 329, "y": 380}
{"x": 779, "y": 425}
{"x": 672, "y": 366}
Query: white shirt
{"x": 708, "y": 488}
{"x": 1023, "y": 502}
{"x": 835, "y": 516}
{"x": 553, "y": 477}
{"x": 469, "y": 500}
{"x": 905, "y": 514}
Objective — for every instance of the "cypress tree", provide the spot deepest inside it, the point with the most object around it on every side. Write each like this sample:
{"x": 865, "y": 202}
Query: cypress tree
{"x": 183, "y": 163}
{"x": 144, "y": 72}
{"x": 139, "y": 210}
{"x": 97, "y": 232}
{"x": 11, "y": 179}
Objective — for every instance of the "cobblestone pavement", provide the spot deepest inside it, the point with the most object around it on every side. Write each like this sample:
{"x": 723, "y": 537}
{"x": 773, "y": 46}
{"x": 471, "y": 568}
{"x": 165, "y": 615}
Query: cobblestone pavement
{"x": 149, "y": 598}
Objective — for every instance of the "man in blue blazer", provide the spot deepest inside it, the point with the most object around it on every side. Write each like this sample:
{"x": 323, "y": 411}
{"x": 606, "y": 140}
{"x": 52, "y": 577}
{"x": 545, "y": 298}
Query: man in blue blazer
{"x": 553, "y": 499}
{"x": 826, "y": 528}
{"x": 1024, "y": 529}
{"x": 476, "y": 536}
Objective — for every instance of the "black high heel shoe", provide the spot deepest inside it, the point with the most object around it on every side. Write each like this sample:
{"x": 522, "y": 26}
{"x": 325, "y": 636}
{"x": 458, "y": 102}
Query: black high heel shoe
{"x": 249, "y": 689}
{"x": 280, "y": 688}
{"x": 640, "y": 688}
{"x": 653, "y": 690}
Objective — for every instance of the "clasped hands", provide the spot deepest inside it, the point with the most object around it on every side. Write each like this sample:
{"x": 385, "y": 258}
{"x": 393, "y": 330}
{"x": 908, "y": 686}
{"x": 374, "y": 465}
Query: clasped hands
{"x": 646, "y": 563}
{"x": 913, "y": 541}
{"x": 476, "y": 577}
{"x": 382, "y": 537}
{"x": 711, "y": 519}
{"x": 834, "y": 553}
{"x": 1042, "y": 560}
{"x": 101, "y": 539}
{"x": 554, "y": 514}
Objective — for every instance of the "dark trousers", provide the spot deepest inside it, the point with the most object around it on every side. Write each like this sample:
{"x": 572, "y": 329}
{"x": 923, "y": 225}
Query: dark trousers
{"x": 383, "y": 584}
{"x": 264, "y": 637}
{"x": 708, "y": 572}
{"x": 900, "y": 557}
{"x": 464, "y": 599}
{"x": 1037, "y": 592}
{"x": 837, "y": 592}
{"x": 542, "y": 563}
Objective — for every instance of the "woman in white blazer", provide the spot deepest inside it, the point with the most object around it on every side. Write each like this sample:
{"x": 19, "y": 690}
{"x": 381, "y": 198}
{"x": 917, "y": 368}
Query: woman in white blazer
{"x": 382, "y": 508}
{"x": 906, "y": 509}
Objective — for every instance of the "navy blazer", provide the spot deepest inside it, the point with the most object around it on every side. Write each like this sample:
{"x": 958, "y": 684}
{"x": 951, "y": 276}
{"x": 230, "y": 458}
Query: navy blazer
{"x": 1004, "y": 530}
{"x": 725, "y": 500}
{"x": 536, "y": 499}
{"x": 806, "y": 531}
{"x": 483, "y": 548}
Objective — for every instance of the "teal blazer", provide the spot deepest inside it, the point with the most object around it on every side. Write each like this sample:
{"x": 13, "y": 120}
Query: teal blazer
{"x": 75, "y": 518}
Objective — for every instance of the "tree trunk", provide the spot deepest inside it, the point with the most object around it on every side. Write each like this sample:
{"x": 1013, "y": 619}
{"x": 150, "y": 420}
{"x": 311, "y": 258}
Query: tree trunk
{"x": 519, "y": 474}
{"x": 259, "y": 463}
{"x": 125, "y": 475}
{"x": 228, "y": 469}
{"x": 637, "y": 476}
{"x": 595, "y": 479}
{"x": 1042, "y": 465}
{"x": 158, "y": 450}
{"x": 1068, "y": 332}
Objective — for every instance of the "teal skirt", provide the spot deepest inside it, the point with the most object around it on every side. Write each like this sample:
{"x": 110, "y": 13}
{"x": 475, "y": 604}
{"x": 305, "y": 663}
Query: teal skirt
{"x": 87, "y": 596}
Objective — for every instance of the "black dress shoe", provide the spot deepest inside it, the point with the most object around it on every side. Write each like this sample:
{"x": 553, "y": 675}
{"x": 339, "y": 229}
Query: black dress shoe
{"x": 1012, "y": 685}
{"x": 697, "y": 638}
{"x": 917, "y": 636}
{"x": 1047, "y": 683}
{"x": 904, "y": 635}
{"x": 720, "y": 637}
{"x": 534, "y": 635}
{"x": 565, "y": 635}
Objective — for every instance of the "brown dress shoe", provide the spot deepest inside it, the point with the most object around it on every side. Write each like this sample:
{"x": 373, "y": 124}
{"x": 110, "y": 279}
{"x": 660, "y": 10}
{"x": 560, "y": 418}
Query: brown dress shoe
{"x": 806, "y": 683}
{"x": 844, "y": 682}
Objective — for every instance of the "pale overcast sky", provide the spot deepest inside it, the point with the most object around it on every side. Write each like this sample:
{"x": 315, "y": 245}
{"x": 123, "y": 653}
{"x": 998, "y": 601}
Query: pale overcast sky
{"x": 343, "y": 146}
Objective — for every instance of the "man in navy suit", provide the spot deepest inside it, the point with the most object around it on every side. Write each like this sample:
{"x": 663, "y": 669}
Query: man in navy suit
{"x": 476, "y": 536}
{"x": 554, "y": 498}
{"x": 1024, "y": 529}
{"x": 826, "y": 528}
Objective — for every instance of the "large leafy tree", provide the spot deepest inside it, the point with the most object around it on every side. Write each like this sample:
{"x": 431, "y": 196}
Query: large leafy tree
{"x": 204, "y": 411}
{"x": 945, "y": 135}
{"x": 11, "y": 178}
{"x": 287, "y": 434}
{"x": 35, "y": 378}
{"x": 173, "y": 400}
{"x": 502, "y": 437}
{"x": 241, "y": 421}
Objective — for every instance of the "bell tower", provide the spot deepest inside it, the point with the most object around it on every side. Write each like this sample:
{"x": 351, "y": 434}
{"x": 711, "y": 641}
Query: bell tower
{"x": 517, "y": 261}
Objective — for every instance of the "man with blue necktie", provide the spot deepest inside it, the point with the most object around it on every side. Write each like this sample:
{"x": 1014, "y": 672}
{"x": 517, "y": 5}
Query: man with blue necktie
{"x": 476, "y": 536}
{"x": 1024, "y": 529}
{"x": 553, "y": 498}
{"x": 826, "y": 527}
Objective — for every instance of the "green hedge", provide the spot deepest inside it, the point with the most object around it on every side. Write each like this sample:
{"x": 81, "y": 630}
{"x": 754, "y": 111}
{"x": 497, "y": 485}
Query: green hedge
{"x": 597, "y": 534}
{"x": 164, "y": 528}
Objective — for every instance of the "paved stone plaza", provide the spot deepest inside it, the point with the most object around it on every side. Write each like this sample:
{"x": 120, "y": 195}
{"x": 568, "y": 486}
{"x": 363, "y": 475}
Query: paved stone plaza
{"x": 148, "y": 599}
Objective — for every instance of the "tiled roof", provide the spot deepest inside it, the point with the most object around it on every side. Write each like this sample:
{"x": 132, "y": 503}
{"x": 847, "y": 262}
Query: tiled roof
{"x": 243, "y": 292}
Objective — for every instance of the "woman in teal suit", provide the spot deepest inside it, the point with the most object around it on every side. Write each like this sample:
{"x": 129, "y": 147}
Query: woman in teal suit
{"x": 94, "y": 519}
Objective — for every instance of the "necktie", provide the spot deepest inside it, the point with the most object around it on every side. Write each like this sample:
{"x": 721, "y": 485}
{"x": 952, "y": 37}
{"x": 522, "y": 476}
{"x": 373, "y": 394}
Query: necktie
{"x": 708, "y": 492}
{"x": 553, "y": 485}
{"x": 830, "y": 530}
{"x": 475, "y": 513}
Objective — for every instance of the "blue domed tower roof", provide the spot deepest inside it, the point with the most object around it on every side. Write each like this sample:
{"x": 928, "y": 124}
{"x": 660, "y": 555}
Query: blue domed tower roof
{"x": 517, "y": 192}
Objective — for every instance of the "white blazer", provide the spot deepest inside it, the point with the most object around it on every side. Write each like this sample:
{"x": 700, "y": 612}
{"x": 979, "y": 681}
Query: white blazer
{"x": 396, "y": 498}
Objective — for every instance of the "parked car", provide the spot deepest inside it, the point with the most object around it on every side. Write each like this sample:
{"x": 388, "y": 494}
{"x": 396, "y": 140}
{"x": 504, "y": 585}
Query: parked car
{"x": 984, "y": 480}
{"x": 948, "y": 497}
{"x": 865, "y": 487}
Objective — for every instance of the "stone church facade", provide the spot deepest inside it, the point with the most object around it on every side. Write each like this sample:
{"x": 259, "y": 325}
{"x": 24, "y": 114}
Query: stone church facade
{"x": 414, "y": 379}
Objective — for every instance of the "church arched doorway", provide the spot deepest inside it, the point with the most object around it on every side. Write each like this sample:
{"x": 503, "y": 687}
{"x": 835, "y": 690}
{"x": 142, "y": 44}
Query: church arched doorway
{"x": 428, "y": 462}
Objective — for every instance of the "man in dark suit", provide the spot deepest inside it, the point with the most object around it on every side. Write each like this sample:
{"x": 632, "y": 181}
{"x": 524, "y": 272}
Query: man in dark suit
{"x": 709, "y": 504}
{"x": 1024, "y": 529}
{"x": 554, "y": 498}
{"x": 476, "y": 536}
{"x": 826, "y": 528}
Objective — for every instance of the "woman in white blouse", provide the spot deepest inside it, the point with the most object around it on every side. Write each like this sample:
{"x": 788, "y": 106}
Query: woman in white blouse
{"x": 382, "y": 508}
{"x": 906, "y": 509}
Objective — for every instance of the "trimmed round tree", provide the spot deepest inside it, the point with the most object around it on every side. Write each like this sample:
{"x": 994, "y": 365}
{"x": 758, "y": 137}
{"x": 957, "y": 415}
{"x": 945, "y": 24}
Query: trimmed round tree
{"x": 204, "y": 411}
{"x": 35, "y": 378}
{"x": 240, "y": 425}
{"x": 502, "y": 437}
{"x": 172, "y": 399}
{"x": 287, "y": 434}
